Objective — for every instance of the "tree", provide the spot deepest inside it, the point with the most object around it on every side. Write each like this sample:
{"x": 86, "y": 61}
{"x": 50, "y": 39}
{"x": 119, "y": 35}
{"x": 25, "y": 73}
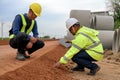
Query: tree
{"x": 114, "y": 6}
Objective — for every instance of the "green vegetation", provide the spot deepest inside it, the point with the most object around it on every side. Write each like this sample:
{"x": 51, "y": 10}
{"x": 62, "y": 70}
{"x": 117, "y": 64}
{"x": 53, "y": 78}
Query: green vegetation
{"x": 114, "y": 6}
{"x": 44, "y": 37}
{"x": 4, "y": 38}
{"x": 117, "y": 15}
{"x": 47, "y": 36}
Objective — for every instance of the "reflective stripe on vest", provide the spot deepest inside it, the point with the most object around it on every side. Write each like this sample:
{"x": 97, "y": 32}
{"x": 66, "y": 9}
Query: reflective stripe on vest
{"x": 76, "y": 46}
{"x": 11, "y": 36}
{"x": 65, "y": 58}
{"x": 24, "y": 26}
{"x": 24, "y": 23}
{"x": 94, "y": 42}
{"x": 92, "y": 46}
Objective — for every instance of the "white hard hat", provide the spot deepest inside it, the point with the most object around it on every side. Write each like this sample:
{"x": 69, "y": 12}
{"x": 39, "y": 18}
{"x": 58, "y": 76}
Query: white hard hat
{"x": 70, "y": 22}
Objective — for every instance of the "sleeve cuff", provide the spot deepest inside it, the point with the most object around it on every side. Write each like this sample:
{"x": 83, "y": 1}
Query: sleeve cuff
{"x": 28, "y": 37}
{"x": 63, "y": 61}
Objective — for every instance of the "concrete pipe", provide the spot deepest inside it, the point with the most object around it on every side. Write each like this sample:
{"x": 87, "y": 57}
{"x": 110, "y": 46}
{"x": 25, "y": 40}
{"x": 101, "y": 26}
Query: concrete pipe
{"x": 115, "y": 46}
{"x": 83, "y": 16}
{"x": 63, "y": 43}
{"x": 104, "y": 22}
{"x": 66, "y": 38}
{"x": 106, "y": 38}
{"x": 92, "y": 25}
{"x": 69, "y": 36}
{"x": 119, "y": 38}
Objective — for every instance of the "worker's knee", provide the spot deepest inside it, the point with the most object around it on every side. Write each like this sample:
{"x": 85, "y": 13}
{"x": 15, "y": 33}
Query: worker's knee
{"x": 22, "y": 36}
{"x": 40, "y": 43}
{"x": 74, "y": 59}
{"x": 13, "y": 43}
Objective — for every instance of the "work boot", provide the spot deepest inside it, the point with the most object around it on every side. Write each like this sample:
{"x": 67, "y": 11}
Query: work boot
{"x": 20, "y": 56}
{"x": 26, "y": 56}
{"x": 93, "y": 72}
{"x": 77, "y": 68}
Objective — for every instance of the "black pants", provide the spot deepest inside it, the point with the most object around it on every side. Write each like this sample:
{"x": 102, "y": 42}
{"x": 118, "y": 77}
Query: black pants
{"x": 84, "y": 60}
{"x": 20, "y": 41}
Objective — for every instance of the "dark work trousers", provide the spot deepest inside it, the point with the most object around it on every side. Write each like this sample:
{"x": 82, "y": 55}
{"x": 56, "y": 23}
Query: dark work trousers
{"x": 20, "y": 41}
{"x": 82, "y": 59}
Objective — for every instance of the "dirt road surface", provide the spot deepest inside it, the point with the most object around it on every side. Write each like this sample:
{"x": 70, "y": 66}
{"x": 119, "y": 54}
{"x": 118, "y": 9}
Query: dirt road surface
{"x": 40, "y": 65}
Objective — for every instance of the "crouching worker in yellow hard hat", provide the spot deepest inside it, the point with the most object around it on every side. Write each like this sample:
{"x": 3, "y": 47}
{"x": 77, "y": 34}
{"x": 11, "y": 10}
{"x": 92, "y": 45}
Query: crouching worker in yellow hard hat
{"x": 86, "y": 48}
{"x": 20, "y": 38}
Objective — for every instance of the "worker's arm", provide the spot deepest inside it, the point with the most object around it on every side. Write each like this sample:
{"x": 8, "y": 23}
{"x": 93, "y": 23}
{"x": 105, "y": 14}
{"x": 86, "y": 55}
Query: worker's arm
{"x": 64, "y": 60}
{"x": 16, "y": 24}
{"x": 66, "y": 57}
{"x": 77, "y": 44}
{"x": 34, "y": 38}
{"x": 35, "y": 30}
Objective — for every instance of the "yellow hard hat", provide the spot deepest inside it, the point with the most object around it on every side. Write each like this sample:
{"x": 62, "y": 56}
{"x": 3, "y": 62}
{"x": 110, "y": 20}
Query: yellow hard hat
{"x": 36, "y": 8}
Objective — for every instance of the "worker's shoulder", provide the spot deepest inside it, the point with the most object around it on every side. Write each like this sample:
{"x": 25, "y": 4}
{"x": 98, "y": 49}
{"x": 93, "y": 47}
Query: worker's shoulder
{"x": 18, "y": 16}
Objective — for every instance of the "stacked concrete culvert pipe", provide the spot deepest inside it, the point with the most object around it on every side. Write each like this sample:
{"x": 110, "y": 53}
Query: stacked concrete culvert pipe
{"x": 92, "y": 25}
{"x": 105, "y": 25}
{"x": 116, "y": 41}
{"x": 106, "y": 38}
{"x": 104, "y": 22}
{"x": 83, "y": 16}
{"x": 63, "y": 42}
{"x": 69, "y": 36}
{"x": 119, "y": 39}
{"x": 66, "y": 38}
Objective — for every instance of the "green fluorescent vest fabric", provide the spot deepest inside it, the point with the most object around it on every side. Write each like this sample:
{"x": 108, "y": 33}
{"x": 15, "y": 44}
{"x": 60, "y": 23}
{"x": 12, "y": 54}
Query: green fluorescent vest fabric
{"x": 86, "y": 39}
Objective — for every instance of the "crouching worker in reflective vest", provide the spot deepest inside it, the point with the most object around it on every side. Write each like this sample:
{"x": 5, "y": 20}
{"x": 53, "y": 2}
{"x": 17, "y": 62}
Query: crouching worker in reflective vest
{"x": 19, "y": 36}
{"x": 86, "y": 48}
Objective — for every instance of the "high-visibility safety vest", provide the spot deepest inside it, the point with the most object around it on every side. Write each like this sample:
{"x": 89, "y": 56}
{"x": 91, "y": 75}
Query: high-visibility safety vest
{"x": 24, "y": 26}
{"x": 85, "y": 39}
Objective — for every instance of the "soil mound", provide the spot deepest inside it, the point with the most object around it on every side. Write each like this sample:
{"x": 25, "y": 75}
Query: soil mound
{"x": 40, "y": 69}
{"x": 112, "y": 57}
